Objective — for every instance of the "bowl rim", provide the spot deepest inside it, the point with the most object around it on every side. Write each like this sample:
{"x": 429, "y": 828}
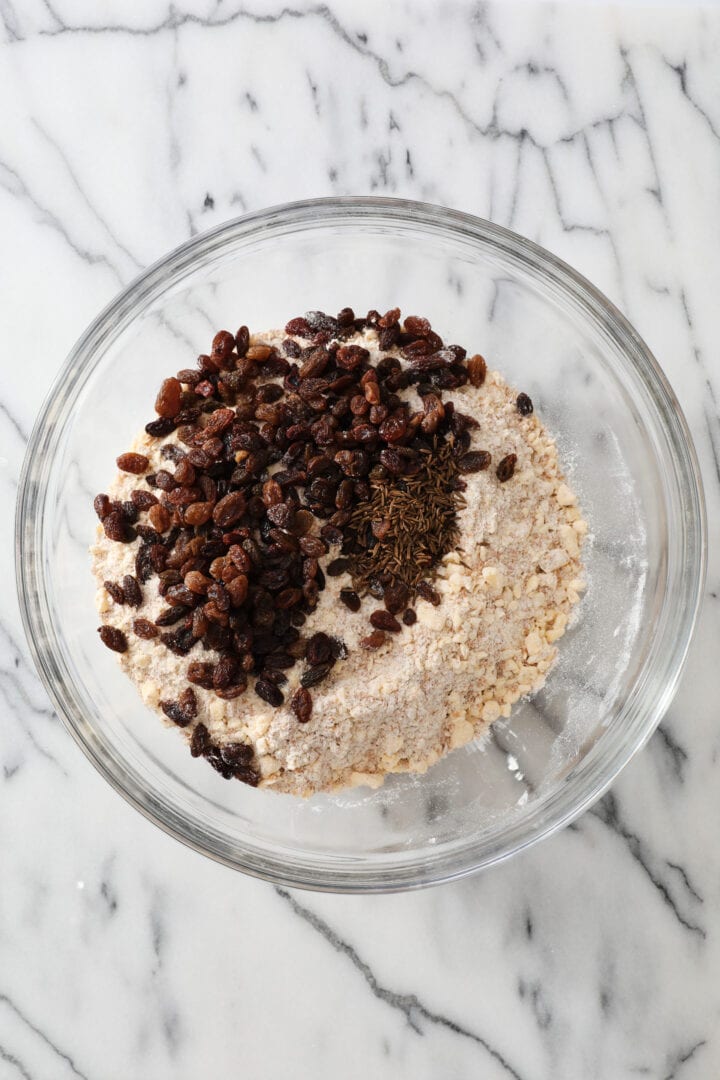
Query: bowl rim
{"x": 352, "y": 210}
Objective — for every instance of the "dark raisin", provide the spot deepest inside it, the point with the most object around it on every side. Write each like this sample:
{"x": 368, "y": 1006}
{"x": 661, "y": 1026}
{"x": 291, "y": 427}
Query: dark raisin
{"x": 102, "y": 506}
{"x": 475, "y": 461}
{"x": 410, "y": 617}
{"x": 524, "y": 404}
{"x": 426, "y": 592}
{"x": 200, "y": 742}
{"x": 144, "y": 629}
{"x": 396, "y": 597}
{"x": 116, "y": 527}
{"x": 201, "y": 673}
{"x": 506, "y": 468}
{"x": 170, "y": 616}
{"x": 350, "y": 599}
{"x": 319, "y": 649}
{"x": 132, "y": 591}
{"x": 269, "y": 692}
{"x": 337, "y": 566}
{"x": 115, "y": 590}
{"x": 159, "y": 428}
{"x": 242, "y": 341}
{"x": 143, "y": 500}
{"x": 113, "y": 638}
{"x": 179, "y": 641}
{"x": 314, "y": 675}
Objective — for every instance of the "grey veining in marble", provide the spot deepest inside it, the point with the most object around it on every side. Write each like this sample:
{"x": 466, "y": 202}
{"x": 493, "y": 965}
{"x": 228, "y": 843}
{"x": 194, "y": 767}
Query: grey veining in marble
{"x": 596, "y": 132}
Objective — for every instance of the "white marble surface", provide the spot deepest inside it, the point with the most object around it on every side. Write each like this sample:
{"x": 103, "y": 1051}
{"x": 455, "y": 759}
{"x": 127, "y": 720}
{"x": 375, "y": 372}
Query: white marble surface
{"x": 595, "y": 131}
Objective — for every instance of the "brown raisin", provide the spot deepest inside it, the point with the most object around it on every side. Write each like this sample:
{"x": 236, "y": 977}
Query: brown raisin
{"x": 506, "y": 468}
{"x": 116, "y": 528}
{"x": 223, "y": 344}
{"x": 113, "y": 638}
{"x": 200, "y": 742}
{"x": 396, "y": 597}
{"x": 524, "y": 404}
{"x": 383, "y": 620}
{"x": 145, "y": 629}
{"x": 201, "y": 673}
{"x": 229, "y": 509}
{"x": 132, "y": 591}
{"x": 477, "y": 370}
{"x": 301, "y": 704}
{"x": 475, "y": 461}
{"x": 132, "y": 463}
{"x": 115, "y": 590}
{"x": 373, "y": 640}
{"x": 410, "y": 617}
{"x": 426, "y": 592}
{"x": 319, "y": 649}
{"x": 169, "y": 399}
{"x": 143, "y": 500}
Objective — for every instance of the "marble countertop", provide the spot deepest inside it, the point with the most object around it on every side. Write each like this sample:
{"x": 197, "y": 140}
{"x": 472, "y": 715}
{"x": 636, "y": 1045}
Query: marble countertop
{"x": 596, "y": 132}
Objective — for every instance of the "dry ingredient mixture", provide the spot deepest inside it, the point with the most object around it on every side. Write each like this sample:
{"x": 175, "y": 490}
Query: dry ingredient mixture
{"x": 337, "y": 552}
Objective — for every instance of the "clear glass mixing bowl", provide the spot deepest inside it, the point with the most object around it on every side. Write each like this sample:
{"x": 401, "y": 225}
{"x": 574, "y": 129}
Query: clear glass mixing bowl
{"x": 623, "y": 441}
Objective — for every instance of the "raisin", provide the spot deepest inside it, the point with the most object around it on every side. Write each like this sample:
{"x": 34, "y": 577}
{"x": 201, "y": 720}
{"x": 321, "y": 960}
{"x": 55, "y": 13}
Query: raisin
{"x": 315, "y": 675}
{"x": 337, "y": 566}
{"x": 171, "y": 615}
{"x": 200, "y": 742}
{"x": 313, "y": 546}
{"x": 181, "y": 712}
{"x": 396, "y": 597}
{"x": 269, "y": 692}
{"x": 116, "y": 528}
{"x": 101, "y": 505}
{"x": 426, "y": 592}
{"x": 475, "y": 461}
{"x": 524, "y": 404}
{"x": 301, "y": 704}
{"x": 143, "y": 500}
{"x": 132, "y": 591}
{"x": 410, "y": 617}
{"x": 145, "y": 629}
{"x": 223, "y": 344}
{"x": 242, "y": 341}
{"x": 159, "y": 517}
{"x": 373, "y": 640}
{"x": 506, "y": 468}
{"x": 383, "y": 620}
{"x": 113, "y": 638}
{"x": 169, "y": 399}
{"x": 159, "y": 428}
{"x": 350, "y": 599}
{"x": 477, "y": 370}
{"x": 115, "y": 590}
{"x": 229, "y": 509}
{"x": 179, "y": 641}
{"x": 201, "y": 673}
{"x": 132, "y": 463}
{"x": 319, "y": 649}
{"x": 198, "y": 513}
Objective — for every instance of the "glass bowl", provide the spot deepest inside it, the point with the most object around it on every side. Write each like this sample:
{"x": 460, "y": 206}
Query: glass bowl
{"x": 623, "y": 442}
